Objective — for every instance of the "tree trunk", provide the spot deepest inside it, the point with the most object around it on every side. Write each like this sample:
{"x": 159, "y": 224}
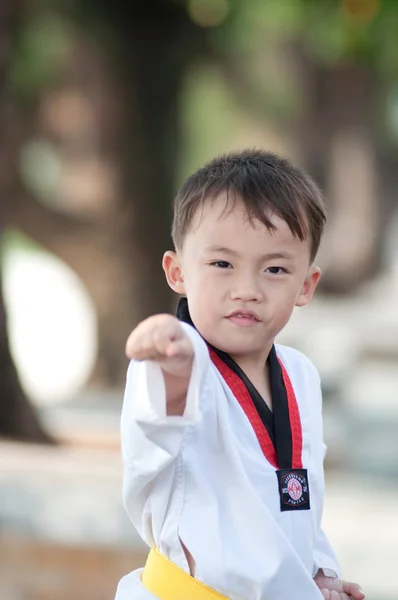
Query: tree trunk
{"x": 149, "y": 46}
{"x": 339, "y": 139}
{"x": 157, "y": 42}
{"x": 18, "y": 419}
{"x": 340, "y": 142}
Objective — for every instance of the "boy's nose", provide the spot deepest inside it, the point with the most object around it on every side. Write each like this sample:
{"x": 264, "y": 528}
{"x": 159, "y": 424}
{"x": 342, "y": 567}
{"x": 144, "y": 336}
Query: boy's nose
{"x": 246, "y": 290}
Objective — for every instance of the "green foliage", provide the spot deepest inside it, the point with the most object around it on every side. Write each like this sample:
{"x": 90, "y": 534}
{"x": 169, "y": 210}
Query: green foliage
{"x": 40, "y": 48}
{"x": 330, "y": 31}
{"x": 259, "y": 39}
{"x": 254, "y": 23}
{"x": 210, "y": 119}
{"x": 40, "y": 169}
{"x": 12, "y": 239}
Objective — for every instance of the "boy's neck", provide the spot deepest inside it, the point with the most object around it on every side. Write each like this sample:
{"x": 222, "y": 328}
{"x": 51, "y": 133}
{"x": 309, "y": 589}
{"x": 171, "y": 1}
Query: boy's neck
{"x": 257, "y": 370}
{"x": 253, "y": 364}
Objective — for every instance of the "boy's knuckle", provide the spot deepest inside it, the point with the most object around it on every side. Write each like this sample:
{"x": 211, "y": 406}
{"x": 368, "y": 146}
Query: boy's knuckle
{"x": 146, "y": 344}
{"x": 157, "y": 335}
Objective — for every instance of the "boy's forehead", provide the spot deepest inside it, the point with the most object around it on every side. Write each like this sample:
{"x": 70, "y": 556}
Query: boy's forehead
{"x": 216, "y": 211}
{"x": 225, "y": 214}
{"x": 225, "y": 222}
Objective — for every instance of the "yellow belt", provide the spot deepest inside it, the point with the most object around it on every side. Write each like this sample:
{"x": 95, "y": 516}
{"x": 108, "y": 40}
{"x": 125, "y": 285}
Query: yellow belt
{"x": 166, "y": 581}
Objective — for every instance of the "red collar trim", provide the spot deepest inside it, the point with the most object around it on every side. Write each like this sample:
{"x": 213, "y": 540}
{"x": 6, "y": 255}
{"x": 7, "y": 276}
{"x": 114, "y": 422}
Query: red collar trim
{"x": 242, "y": 395}
{"x": 295, "y": 421}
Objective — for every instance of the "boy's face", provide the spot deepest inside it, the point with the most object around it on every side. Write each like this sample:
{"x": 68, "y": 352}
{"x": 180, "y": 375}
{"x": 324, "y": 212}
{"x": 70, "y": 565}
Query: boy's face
{"x": 242, "y": 281}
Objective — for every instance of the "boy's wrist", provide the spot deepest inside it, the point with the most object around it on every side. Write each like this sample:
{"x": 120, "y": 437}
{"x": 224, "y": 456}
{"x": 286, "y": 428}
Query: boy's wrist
{"x": 323, "y": 572}
{"x": 176, "y": 390}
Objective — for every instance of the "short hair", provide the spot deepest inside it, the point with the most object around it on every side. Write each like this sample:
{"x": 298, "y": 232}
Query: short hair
{"x": 265, "y": 183}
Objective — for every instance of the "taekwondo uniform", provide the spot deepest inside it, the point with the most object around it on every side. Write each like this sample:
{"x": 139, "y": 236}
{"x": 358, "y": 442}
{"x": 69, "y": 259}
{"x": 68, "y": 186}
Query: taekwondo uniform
{"x": 240, "y": 486}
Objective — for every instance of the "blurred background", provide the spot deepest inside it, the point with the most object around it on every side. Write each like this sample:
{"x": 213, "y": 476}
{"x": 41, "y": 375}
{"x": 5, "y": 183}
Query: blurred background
{"x": 105, "y": 107}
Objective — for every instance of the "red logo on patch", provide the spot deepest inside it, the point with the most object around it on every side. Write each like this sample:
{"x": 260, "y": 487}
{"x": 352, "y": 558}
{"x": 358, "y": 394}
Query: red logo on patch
{"x": 295, "y": 489}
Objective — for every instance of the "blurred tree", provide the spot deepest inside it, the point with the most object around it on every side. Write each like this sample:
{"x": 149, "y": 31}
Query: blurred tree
{"x": 327, "y": 71}
{"x": 347, "y": 58}
{"x": 105, "y": 123}
{"x": 17, "y": 417}
{"x": 93, "y": 152}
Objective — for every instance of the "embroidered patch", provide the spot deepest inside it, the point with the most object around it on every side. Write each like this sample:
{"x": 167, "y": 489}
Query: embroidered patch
{"x": 294, "y": 491}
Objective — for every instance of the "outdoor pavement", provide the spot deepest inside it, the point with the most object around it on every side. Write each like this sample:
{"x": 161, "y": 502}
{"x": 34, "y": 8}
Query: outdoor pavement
{"x": 71, "y": 496}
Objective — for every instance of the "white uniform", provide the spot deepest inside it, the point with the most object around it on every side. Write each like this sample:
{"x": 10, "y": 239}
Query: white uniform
{"x": 203, "y": 479}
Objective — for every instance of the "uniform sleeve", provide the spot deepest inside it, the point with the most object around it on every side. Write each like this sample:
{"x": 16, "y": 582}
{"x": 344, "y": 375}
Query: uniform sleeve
{"x": 150, "y": 439}
{"x": 324, "y": 557}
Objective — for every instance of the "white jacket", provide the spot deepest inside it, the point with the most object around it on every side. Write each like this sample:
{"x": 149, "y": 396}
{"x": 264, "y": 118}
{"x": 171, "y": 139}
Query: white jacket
{"x": 202, "y": 478}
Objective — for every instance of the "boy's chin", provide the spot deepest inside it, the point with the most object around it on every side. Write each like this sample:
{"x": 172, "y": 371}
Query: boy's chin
{"x": 237, "y": 348}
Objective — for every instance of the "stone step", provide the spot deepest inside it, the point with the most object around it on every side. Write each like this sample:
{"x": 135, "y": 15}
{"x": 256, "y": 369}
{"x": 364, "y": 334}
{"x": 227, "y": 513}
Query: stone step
{"x": 32, "y": 569}
{"x": 64, "y": 532}
{"x": 70, "y": 495}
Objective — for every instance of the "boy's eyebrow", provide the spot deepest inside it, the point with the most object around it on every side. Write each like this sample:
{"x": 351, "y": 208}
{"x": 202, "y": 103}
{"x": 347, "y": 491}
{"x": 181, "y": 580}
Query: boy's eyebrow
{"x": 270, "y": 256}
{"x": 221, "y": 249}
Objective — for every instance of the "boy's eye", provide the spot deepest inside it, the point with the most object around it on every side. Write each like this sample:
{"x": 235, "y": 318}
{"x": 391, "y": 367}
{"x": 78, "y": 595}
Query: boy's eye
{"x": 221, "y": 264}
{"x": 276, "y": 270}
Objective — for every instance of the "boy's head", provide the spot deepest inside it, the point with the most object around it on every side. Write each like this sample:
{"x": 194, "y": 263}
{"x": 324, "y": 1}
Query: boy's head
{"x": 265, "y": 184}
{"x": 246, "y": 229}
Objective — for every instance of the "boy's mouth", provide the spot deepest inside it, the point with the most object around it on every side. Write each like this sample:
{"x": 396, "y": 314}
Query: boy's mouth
{"x": 244, "y": 317}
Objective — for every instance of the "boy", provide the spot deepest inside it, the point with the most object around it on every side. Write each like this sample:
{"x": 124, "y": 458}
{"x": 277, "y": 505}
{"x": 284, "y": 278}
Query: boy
{"x": 221, "y": 428}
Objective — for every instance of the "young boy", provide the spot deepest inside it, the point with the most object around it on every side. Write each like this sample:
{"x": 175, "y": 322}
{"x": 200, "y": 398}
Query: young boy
{"x": 222, "y": 428}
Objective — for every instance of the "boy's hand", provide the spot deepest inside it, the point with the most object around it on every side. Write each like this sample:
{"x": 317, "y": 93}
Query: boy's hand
{"x": 337, "y": 589}
{"x": 162, "y": 339}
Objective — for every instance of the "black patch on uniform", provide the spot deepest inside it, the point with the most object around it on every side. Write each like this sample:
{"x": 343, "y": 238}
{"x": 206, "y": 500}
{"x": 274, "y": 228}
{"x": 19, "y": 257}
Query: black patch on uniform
{"x": 294, "y": 492}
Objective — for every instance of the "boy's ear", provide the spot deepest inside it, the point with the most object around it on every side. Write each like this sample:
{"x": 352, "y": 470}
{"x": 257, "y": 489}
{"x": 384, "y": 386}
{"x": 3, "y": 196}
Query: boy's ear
{"x": 309, "y": 285}
{"x": 172, "y": 268}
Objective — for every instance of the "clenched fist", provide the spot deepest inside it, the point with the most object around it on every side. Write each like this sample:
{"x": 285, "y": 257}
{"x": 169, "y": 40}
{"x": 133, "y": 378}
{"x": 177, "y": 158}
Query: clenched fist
{"x": 162, "y": 339}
